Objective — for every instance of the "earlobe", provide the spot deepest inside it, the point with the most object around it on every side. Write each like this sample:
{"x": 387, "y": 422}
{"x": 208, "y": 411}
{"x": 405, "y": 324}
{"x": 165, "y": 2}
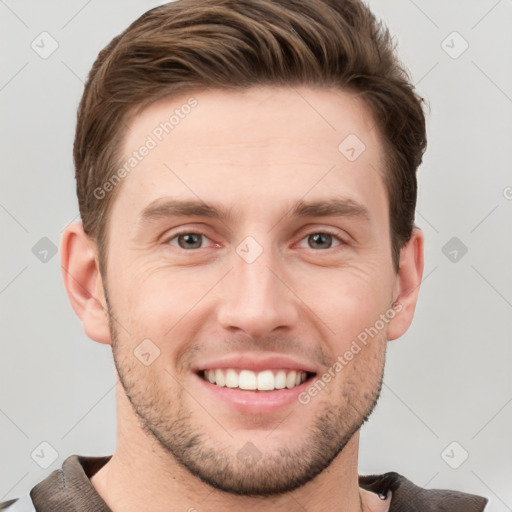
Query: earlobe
{"x": 407, "y": 284}
{"x": 83, "y": 282}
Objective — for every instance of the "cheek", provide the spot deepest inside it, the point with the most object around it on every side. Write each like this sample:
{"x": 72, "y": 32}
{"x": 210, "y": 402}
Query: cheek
{"x": 365, "y": 368}
{"x": 346, "y": 299}
{"x": 159, "y": 301}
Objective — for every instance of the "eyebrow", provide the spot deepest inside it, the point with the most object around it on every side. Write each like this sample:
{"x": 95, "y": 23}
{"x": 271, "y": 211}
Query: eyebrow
{"x": 169, "y": 207}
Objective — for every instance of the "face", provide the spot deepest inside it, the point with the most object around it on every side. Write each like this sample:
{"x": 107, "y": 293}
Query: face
{"x": 277, "y": 262}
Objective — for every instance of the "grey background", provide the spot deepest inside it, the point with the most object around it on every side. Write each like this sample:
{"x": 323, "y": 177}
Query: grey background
{"x": 448, "y": 379}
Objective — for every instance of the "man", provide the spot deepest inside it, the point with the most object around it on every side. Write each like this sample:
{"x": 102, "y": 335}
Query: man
{"x": 246, "y": 176}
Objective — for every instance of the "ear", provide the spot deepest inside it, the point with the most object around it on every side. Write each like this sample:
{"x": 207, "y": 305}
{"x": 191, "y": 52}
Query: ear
{"x": 407, "y": 285}
{"x": 83, "y": 282}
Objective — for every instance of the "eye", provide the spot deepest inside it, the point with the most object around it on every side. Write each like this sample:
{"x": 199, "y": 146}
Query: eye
{"x": 321, "y": 240}
{"x": 188, "y": 240}
{"x": 316, "y": 240}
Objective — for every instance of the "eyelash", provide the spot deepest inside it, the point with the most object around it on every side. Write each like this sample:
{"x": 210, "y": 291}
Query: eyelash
{"x": 323, "y": 232}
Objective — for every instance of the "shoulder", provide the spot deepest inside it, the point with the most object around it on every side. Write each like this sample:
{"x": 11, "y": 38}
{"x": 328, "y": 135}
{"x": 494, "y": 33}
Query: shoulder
{"x": 406, "y": 496}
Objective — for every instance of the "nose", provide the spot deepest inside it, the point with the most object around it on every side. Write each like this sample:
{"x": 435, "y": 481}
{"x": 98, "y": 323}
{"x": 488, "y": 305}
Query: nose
{"x": 256, "y": 297}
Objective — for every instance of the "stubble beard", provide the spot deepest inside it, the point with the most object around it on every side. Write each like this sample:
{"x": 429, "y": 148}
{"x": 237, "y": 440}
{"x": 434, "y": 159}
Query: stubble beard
{"x": 260, "y": 472}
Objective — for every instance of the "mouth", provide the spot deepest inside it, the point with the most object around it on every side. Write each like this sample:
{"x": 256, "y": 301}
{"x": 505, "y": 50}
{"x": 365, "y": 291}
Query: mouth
{"x": 269, "y": 380}
{"x": 252, "y": 383}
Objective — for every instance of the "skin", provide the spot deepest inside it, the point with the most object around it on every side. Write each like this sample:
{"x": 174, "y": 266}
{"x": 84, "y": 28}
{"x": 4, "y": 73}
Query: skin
{"x": 256, "y": 152}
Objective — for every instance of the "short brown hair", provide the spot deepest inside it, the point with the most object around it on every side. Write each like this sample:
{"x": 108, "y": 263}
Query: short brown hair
{"x": 235, "y": 44}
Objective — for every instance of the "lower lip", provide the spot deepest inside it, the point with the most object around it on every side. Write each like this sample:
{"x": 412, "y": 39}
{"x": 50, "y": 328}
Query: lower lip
{"x": 255, "y": 402}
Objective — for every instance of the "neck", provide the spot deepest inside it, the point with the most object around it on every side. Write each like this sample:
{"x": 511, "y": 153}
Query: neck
{"x": 152, "y": 475}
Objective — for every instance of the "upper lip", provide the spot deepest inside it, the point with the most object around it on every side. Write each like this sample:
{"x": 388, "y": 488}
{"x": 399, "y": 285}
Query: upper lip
{"x": 255, "y": 363}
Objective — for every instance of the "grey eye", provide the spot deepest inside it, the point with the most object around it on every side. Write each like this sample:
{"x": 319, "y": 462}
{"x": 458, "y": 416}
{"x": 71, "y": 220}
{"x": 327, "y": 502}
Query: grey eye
{"x": 188, "y": 240}
{"x": 320, "y": 240}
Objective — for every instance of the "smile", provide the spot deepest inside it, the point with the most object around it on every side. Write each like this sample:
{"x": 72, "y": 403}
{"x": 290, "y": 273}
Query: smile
{"x": 266, "y": 380}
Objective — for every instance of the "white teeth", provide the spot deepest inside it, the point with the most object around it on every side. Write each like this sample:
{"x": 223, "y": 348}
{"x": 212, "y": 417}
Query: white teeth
{"x": 247, "y": 380}
{"x": 219, "y": 378}
{"x": 231, "y": 378}
{"x": 280, "y": 379}
{"x": 266, "y": 380}
{"x": 290, "y": 380}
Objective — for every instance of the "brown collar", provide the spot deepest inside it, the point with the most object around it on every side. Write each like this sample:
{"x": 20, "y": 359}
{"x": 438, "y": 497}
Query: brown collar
{"x": 70, "y": 489}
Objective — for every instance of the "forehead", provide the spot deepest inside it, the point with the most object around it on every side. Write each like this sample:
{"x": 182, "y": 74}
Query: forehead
{"x": 264, "y": 145}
